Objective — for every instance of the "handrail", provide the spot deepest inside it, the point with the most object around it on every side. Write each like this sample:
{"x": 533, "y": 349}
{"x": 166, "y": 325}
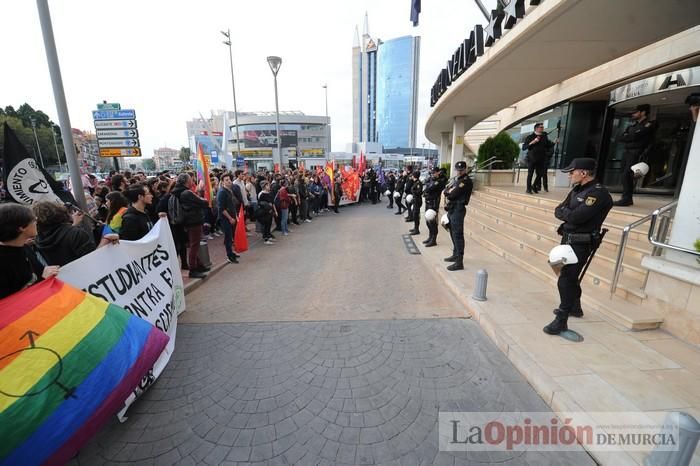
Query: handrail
{"x": 488, "y": 163}
{"x": 652, "y": 231}
{"x": 621, "y": 251}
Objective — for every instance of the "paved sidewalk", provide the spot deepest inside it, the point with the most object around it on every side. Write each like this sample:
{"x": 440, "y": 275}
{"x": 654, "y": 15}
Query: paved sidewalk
{"x": 612, "y": 370}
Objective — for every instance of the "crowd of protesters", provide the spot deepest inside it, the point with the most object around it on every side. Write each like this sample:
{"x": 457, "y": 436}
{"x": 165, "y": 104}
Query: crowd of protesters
{"x": 126, "y": 205}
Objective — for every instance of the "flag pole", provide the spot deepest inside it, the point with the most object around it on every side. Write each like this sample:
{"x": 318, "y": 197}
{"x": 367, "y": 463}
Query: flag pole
{"x": 60, "y": 98}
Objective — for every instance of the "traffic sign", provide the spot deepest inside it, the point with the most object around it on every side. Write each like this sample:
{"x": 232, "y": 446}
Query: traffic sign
{"x": 106, "y": 106}
{"x": 113, "y": 114}
{"x": 123, "y": 152}
{"x": 108, "y": 124}
{"x": 117, "y": 133}
{"x": 118, "y": 142}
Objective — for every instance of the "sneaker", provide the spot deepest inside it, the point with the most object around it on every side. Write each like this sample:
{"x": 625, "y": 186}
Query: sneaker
{"x": 307, "y": 221}
{"x": 232, "y": 259}
{"x": 285, "y": 234}
{"x": 217, "y": 233}
{"x": 194, "y": 274}
{"x": 269, "y": 242}
{"x": 210, "y": 237}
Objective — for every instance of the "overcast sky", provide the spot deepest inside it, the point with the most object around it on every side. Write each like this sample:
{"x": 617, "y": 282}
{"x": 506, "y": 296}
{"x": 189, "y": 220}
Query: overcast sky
{"x": 165, "y": 59}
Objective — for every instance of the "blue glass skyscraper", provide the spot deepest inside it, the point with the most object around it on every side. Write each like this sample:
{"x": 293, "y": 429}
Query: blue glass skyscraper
{"x": 397, "y": 91}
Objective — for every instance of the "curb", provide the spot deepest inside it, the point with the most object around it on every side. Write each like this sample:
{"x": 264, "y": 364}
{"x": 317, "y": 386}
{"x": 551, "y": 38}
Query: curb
{"x": 546, "y": 387}
{"x": 197, "y": 282}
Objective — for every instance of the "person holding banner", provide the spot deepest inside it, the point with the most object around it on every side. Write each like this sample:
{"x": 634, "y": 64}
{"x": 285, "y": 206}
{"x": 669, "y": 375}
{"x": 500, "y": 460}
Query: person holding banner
{"x": 20, "y": 266}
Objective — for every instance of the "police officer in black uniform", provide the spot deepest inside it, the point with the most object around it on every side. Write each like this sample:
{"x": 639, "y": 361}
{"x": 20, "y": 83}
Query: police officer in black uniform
{"x": 583, "y": 212}
{"x": 400, "y": 183}
{"x": 432, "y": 193}
{"x": 417, "y": 203}
{"x": 457, "y": 196}
{"x": 407, "y": 189}
{"x": 637, "y": 139}
{"x": 391, "y": 186}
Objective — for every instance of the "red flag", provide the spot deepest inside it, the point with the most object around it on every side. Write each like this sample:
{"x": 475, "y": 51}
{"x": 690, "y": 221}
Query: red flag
{"x": 240, "y": 239}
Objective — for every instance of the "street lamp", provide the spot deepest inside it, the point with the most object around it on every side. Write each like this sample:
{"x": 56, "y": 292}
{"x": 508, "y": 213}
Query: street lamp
{"x": 227, "y": 34}
{"x": 53, "y": 132}
{"x": 41, "y": 157}
{"x": 328, "y": 122}
{"x": 275, "y": 64}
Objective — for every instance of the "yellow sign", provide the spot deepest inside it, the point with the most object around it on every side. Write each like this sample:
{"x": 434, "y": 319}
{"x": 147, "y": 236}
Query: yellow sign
{"x": 122, "y": 152}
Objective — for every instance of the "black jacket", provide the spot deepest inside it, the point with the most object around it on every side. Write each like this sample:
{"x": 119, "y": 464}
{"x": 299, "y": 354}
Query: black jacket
{"x": 584, "y": 209}
{"x": 20, "y": 268}
{"x": 539, "y": 151}
{"x": 63, "y": 243}
{"x": 135, "y": 224}
{"x": 192, "y": 205}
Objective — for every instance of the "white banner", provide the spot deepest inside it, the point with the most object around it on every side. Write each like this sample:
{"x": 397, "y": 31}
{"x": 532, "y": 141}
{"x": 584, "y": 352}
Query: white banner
{"x": 141, "y": 276}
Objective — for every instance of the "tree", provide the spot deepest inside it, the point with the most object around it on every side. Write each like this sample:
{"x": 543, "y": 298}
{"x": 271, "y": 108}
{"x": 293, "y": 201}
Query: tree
{"x": 20, "y": 121}
{"x": 502, "y": 147}
{"x": 185, "y": 154}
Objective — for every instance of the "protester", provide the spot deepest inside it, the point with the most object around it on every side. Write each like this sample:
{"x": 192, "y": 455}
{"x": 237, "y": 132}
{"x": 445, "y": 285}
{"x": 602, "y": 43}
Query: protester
{"x": 285, "y": 202}
{"x": 193, "y": 212}
{"x": 20, "y": 266}
{"x": 228, "y": 207}
{"x": 135, "y": 222}
{"x": 60, "y": 238}
{"x": 117, "y": 205}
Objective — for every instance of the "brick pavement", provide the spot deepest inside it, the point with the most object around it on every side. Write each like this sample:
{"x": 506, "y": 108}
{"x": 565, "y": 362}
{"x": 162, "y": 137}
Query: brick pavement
{"x": 343, "y": 392}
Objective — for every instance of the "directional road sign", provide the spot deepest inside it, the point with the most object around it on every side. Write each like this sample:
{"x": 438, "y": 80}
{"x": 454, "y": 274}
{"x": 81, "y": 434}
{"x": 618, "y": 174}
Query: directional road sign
{"x": 109, "y": 124}
{"x": 117, "y": 133}
{"x": 118, "y": 142}
{"x": 106, "y": 106}
{"x": 136, "y": 152}
{"x": 113, "y": 114}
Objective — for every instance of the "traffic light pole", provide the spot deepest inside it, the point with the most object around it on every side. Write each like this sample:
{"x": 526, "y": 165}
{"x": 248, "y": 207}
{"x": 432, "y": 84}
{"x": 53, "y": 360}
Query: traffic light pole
{"x": 60, "y": 98}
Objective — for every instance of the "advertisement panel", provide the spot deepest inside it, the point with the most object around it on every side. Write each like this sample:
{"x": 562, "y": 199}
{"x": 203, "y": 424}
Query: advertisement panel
{"x": 268, "y": 138}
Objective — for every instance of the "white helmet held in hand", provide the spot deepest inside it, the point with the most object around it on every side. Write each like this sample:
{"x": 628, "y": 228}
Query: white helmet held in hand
{"x": 387, "y": 193}
{"x": 445, "y": 221}
{"x": 430, "y": 215}
{"x": 560, "y": 256}
{"x": 409, "y": 198}
{"x": 640, "y": 169}
{"x": 397, "y": 194}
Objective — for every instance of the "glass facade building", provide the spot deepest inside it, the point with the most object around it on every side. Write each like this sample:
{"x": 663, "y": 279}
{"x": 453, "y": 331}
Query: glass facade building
{"x": 397, "y": 91}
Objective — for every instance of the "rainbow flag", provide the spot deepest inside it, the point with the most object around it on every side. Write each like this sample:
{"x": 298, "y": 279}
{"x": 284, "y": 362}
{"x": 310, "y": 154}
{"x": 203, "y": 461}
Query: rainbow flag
{"x": 68, "y": 360}
{"x": 329, "y": 172}
{"x": 204, "y": 173}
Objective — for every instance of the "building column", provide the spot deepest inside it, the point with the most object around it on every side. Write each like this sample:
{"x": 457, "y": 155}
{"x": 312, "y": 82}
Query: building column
{"x": 686, "y": 227}
{"x": 457, "y": 140}
{"x": 445, "y": 139}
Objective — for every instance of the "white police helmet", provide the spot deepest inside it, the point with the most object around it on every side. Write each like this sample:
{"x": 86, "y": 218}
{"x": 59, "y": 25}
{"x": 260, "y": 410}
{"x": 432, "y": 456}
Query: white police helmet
{"x": 445, "y": 221}
{"x": 430, "y": 215}
{"x": 560, "y": 256}
{"x": 387, "y": 193}
{"x": 409, "y": 198}
{"x": 640, "y": 169}
{"x": 397, "y": 194}
{"x": 423, "y": 178}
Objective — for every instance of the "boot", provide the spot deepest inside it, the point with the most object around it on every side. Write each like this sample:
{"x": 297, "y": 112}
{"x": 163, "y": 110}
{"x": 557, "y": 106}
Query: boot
{"x": 452, "y": 258}
{"x": 572, "y": 313}
{"x": 457, "y": 265}
{"x": 413, "y": 232}
{"x": 427, "y": 240}
{"x": 557, "y": 326}
{"x": 431, "y": 243}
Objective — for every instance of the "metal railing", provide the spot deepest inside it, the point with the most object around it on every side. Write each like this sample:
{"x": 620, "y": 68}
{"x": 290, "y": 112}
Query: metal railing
{"x": 488, "y": 163}
{"x": 658, "y": 241}
{"x": 621, "y": 251}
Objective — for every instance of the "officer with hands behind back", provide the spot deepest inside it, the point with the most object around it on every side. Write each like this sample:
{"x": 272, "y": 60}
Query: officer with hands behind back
{"x": 457, "y": 195}
{"x": 583, "y": 212}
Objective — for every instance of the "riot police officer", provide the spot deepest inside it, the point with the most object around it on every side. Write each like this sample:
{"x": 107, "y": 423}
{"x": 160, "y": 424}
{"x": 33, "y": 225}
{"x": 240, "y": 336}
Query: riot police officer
{"x": 400, "y": 183}
{"x": 391, "y": 187}
{"x": 417, "y": 203}
{"x": 583, "y": 212}
{"x": 637, "y": 139}
{"x": 457, "y": 196}
{"x": 432, "y": 192}
{"x": 408, "y": 190}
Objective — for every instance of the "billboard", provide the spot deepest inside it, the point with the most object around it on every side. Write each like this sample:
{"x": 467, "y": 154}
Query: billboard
{"x": 211, "y": 146}
{"x": 268, "y": 138}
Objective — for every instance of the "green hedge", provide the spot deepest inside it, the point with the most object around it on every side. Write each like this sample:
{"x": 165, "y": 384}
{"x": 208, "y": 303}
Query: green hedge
{"x": 502, "y": 147}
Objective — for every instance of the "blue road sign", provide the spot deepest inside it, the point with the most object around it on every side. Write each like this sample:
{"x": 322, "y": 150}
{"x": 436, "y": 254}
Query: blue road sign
{"x": 113, "y": 114}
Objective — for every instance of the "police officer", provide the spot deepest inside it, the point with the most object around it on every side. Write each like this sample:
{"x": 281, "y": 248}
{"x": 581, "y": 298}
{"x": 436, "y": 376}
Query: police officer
{"x": 637, "y": 139}
{"x": 583, "y": 212}
{"x": 457, "y": 196}
{"x": 407, "y": 189}
{"x": 391, "y": 186}
{"x": 417, "y": 203}
{"x": 400, "y": 183}
{"x": 432, "y": 193}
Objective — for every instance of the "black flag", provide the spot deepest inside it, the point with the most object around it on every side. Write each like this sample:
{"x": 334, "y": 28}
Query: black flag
{"x": 415, "y": 11}
{"x": 25, "y": 181}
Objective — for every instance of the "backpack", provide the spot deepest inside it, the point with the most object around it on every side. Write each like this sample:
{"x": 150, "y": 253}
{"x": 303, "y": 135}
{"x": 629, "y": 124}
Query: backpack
{"x": 175, "y": 210}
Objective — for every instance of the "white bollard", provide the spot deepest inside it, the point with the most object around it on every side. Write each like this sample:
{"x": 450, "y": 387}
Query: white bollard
{"x": 482, "y": 278}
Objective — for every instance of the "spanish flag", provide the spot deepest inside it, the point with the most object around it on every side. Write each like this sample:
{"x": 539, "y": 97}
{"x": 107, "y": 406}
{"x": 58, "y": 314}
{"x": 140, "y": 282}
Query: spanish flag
{"x": 68, "y": 360}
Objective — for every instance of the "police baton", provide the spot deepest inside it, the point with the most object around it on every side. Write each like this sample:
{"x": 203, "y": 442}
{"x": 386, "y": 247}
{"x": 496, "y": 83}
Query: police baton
{"x": 593, "y": 251}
